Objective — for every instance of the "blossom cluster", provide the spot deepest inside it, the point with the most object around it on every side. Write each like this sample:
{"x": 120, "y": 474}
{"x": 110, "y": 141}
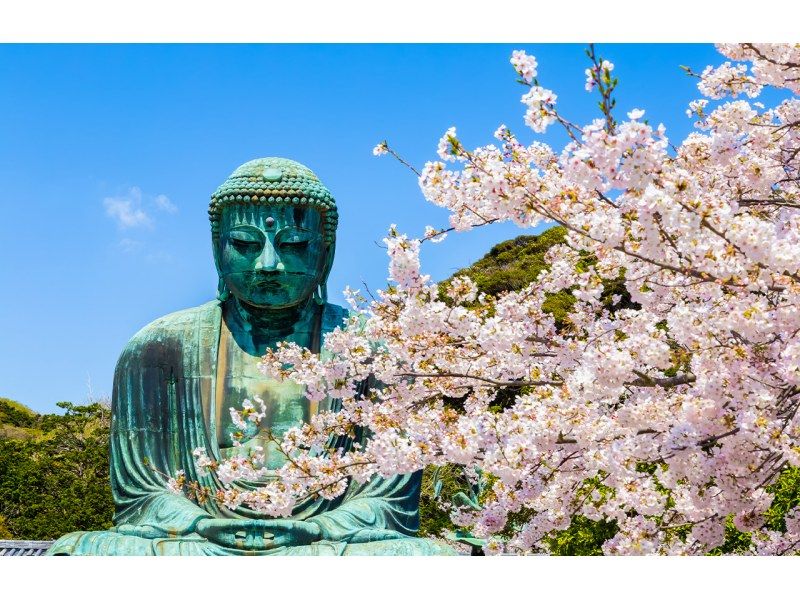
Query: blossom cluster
{"x": 670, "y": 412}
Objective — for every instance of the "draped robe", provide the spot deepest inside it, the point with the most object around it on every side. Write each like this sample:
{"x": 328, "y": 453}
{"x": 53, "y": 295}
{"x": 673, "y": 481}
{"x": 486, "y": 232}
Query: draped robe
{"x": 164, "y": 406}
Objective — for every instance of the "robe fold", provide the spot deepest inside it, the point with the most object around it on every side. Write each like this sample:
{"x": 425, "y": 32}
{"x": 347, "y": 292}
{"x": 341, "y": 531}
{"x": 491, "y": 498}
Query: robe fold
{"x": 163, "y": 407}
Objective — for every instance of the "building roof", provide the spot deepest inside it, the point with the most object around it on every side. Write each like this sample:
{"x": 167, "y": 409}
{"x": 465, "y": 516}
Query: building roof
{"x": 23, "y": 547}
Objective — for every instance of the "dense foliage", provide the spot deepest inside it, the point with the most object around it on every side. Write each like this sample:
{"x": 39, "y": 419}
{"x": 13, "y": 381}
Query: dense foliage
{"x": 53, "y": 471}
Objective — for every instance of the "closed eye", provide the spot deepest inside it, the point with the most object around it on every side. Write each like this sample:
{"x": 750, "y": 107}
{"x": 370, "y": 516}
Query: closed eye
{"x": 242, "y": 245}
{"x": 295, "y": 244}
{"x": 294, "y": 238}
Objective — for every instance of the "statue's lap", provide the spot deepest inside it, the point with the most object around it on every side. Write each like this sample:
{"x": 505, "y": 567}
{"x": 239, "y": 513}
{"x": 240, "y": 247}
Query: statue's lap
{"x": 110, "y": 543}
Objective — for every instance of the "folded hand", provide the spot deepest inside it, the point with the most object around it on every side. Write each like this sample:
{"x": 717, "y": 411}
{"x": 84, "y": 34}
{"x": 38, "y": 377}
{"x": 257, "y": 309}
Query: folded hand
{"x": 258, "y": 534}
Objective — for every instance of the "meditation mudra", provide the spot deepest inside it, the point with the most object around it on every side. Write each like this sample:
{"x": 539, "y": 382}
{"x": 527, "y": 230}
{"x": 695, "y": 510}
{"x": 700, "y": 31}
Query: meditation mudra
{"x": 273, "y": 231}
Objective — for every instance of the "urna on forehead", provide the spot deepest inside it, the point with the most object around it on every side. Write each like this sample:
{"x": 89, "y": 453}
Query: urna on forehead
{"x": 274, "y": 181}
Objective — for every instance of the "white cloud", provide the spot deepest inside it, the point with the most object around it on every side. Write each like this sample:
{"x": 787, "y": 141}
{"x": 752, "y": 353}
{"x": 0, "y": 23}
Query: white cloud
{"x": 127, "y": 210}
{"x": 164, "y": 204}
{"x": 134, "y": 209}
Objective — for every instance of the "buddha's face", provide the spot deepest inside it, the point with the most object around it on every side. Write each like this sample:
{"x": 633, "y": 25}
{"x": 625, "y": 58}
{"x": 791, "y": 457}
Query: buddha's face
{"x": 271, "y": 256}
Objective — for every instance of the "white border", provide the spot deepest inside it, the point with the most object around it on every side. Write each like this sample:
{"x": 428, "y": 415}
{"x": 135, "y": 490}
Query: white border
{"x": 403, "y": 577}
{"x": 397, "y": 21}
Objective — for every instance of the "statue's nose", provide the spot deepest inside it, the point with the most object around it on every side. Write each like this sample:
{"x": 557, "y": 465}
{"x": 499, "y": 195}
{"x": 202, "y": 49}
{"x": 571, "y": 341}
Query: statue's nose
{"x": 269, "y": 260}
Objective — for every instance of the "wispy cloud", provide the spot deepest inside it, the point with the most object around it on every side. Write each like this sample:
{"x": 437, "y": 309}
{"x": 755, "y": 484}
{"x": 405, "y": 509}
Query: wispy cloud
{"x": 127, "y": 210}
{"x": 164, "y": 204}
{"x": 135, "y": 209}
{"x": 136, "y": 215}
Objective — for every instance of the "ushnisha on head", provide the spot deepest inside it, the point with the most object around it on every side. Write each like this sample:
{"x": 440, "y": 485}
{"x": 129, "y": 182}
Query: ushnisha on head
{"x": 273, "y": 226}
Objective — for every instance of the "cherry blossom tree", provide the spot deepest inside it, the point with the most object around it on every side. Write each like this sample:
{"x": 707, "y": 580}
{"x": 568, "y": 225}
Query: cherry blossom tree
{"x": 669, "y": 412}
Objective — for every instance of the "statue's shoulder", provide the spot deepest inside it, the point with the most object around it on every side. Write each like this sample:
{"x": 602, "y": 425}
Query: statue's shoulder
{"x": 176, "y": 326}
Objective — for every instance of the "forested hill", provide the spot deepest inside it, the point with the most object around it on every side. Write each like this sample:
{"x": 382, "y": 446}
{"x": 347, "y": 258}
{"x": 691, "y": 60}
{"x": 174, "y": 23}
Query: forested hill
{"x": 53, "y": 471}
{"x": 512, "y": 265}
{"x": 17, "y": 420}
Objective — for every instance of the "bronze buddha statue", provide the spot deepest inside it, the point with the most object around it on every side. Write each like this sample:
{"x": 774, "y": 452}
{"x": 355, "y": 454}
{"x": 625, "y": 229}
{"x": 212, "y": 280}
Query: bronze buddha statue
{"x": 273, "y": 231}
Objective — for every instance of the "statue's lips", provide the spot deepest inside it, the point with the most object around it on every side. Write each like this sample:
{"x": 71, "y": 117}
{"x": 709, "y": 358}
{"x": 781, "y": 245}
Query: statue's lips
{"x": 273, "y": 282}
{"x": 267, "y": 283}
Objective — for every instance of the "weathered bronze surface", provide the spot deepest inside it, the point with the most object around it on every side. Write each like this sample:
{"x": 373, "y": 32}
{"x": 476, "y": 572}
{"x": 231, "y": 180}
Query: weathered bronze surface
{"x": 273, "y": 230}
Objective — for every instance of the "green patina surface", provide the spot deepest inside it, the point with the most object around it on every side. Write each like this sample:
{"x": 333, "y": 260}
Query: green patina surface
{"x": 273, "y": 232}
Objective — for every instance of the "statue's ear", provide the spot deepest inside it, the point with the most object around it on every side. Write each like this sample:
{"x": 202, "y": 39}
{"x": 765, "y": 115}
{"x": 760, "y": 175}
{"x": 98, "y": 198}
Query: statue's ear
{"x": 328, "y": 264}
{"x": 321, "y": 293}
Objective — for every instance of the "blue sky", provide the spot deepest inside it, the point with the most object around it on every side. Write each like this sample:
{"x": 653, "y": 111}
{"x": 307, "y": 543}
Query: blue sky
{"x": 108, "y": 155}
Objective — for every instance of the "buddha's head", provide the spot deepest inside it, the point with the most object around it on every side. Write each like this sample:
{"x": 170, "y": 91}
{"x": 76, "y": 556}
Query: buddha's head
{"x": 273, "y": 226}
